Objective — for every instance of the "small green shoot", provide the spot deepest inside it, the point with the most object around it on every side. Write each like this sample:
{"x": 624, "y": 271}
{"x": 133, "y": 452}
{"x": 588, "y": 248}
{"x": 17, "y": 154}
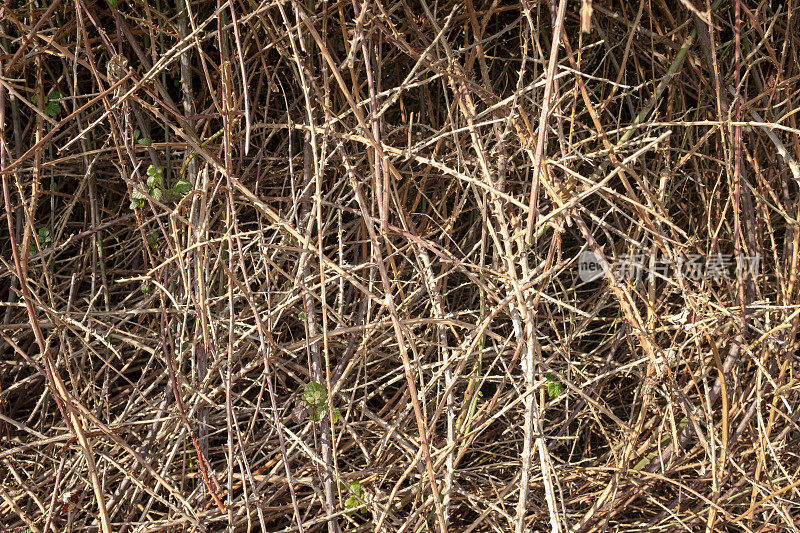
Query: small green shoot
{"x": 314, "y": 394}
{"x": 553, "y": 386}
{"x": 52, "y": 108}
{"x": 155, "y": 187}
{"x": 44, "y": 237}
{"x": 355, "y": 499}
{"x": 315, "y": 397}
{"x": 181, "y": 187}
{"x": 155, "y": 176}
{"x": 137, "y": 198}
{"x": 152, "y": 240}
{"x": 302, "y": 316}
{"x": 142, "y": 141}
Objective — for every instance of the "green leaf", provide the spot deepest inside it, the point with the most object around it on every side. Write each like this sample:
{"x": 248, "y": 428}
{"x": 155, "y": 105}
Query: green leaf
{"x": 336, "y": 414}
{"x": 157, "y": 193}
{"x": 152, "y": 240}
{"x": 44, "y": 236}
{"x": 152, "y": 170}
{"x": 153, "y": 181}
{"x": 356, "y": 498}
{"x": 181, "y": 187}
{"x": 352, "y": 502}
{"x": 145, "y": 288}
{"x": 137, "y": 198}
{"x": 553, "y": 386}
{"x": 302, "y": 316}
{"x": 51, "y": 106}
{"x": 315, "y": 394}
{"x": 52, "y": 109}
{"x": 136, "y": 134}
{"x": 145, "y": 141}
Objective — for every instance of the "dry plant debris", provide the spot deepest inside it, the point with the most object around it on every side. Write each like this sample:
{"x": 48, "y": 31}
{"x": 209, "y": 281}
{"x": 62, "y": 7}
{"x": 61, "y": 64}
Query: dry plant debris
{"x": 400, "y": 265}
